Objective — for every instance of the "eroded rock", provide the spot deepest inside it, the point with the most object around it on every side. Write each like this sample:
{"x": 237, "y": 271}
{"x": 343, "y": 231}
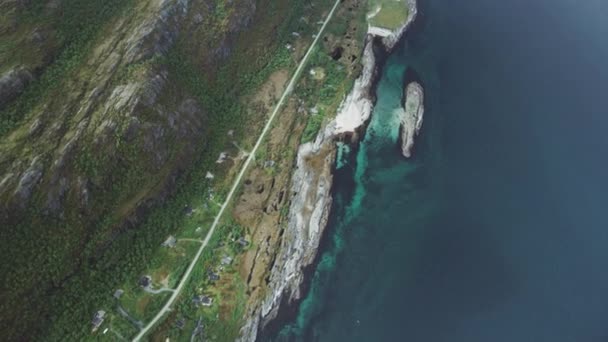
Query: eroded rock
{"x": 13, "y": 83}
{"x": 411, "y": 117}
{"x": 28, "y": 180}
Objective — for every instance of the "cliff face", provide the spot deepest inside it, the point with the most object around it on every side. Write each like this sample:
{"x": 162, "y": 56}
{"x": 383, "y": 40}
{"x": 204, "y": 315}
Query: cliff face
{"x": 311, "y": 186}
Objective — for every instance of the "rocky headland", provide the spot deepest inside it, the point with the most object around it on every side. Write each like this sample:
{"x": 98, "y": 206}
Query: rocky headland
{"x": 411, "y": 117}
{"x": 312, "y": 182}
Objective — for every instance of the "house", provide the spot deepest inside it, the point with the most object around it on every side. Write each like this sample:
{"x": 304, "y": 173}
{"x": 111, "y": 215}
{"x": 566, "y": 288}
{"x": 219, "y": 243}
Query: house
{"x": 241, "y": 241}
{"x": 118, "y": 293}
{"x": 145, "y": 281}
{"x": 213, "y": 276}
{"x": 188, "y": 210}
{"x": 98, "y": 319}
{"x": 222, "y": 158}
{"x": 180, "y": 323}
{"x": 226, "y": 260}
{"x": 202, "y": 300}
{"x": 170, "y": 242}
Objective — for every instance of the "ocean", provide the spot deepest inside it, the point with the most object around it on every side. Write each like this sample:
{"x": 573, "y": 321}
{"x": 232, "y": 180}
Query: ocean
{"x": 496, "y": 230}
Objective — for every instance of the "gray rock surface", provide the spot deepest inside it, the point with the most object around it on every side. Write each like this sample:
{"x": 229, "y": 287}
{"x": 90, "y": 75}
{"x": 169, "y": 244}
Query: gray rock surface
{"x": 28, "y": 180}
{"x": 12, "y": 84}
{"x": 411, "y": 117}
{"x": 308, "y": 215}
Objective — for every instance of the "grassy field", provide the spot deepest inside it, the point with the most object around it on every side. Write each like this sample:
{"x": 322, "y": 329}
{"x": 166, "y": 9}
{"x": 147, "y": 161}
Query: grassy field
{"x": 389, "y": 14}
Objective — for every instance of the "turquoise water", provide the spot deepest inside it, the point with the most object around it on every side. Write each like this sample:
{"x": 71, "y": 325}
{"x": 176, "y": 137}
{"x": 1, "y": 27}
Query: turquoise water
{"x": 496, "y": 230}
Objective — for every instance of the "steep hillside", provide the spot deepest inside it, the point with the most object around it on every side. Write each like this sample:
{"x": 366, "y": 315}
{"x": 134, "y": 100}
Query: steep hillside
{"x": 110, "y": 113}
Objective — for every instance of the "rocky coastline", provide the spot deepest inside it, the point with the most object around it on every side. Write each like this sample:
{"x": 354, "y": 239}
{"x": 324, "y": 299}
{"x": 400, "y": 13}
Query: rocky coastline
{"x": 312, "y": 182}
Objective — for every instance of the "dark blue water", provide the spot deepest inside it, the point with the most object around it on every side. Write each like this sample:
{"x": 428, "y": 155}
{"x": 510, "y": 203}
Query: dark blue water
{"x": 497, "y": 229}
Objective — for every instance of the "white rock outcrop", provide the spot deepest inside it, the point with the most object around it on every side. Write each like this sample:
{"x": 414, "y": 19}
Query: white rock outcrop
{"x": 411, "y": 117}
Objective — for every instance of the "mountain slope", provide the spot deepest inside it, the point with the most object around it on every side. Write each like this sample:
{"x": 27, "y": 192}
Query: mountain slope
{"x": 109, "y": 110}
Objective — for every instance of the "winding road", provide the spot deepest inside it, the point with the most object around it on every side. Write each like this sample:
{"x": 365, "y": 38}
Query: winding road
{"x": 167, "y": 307}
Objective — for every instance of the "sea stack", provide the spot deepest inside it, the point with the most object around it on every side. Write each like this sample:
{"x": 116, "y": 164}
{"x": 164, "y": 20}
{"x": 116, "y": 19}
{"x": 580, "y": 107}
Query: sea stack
{"x": 411, "y": 117}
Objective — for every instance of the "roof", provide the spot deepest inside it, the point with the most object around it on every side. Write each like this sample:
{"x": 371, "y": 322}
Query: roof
{"x": 98, "y": 318}
{"x": 170, "y": 242}
{"x": 118, "y": 293}
{"x": 202, "y": 300}
{"x": 145, "y": 281}
{"x": 226, "y": 260}
{"x": 213, "y": 276}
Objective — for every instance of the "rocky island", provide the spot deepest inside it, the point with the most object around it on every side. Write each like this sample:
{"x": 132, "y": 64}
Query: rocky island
{"x": 411, "y": 117}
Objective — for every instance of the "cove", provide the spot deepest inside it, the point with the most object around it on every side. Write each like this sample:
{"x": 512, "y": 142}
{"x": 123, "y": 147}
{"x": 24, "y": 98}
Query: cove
{"x": 496, "y": 229}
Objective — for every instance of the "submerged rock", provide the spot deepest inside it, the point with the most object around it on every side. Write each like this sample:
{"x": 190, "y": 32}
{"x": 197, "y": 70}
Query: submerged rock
{"x": 411, "y": 117}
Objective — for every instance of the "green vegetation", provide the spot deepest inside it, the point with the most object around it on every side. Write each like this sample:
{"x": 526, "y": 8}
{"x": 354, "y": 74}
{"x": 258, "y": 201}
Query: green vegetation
{"x": 223, "y": 318}
{"x": 326, "y": 79}
{"x": 389, "y": 14}
{"x": 69, "y": 267}
{"x": 78, "y": 25}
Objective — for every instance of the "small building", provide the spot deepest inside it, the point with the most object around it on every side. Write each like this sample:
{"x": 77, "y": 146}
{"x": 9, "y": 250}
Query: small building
{"x": 170, "y": 242}
{"x": 213, "y": 276}
{"x": 222, "y": 158}
{"x": 98, "y": 319}
{"x": 145, "y": 281}
{"x": 241, "y": 241}
{"x": 180, "y": 323}
{"x": 202, "y": 300}
{"x": 209, "y": 175}
{"x": 269, "y": 164}
{"x": 226, "y": 260}
{"x": 118, "y": 293}
{"x": 188, "y": 210}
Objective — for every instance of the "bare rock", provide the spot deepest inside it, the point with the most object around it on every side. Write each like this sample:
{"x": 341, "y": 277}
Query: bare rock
{"x": 13, "y": 83}
{"x": 35, "y": 128}
{"x": 28, "y": 181}
{"x": 308, "y": 215}
{"x": 411, "y": 117}
{"x": 157, "y": 33}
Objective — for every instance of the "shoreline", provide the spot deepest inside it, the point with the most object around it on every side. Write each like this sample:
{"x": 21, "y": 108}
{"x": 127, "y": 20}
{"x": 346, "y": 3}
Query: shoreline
{"x": 312, "y": 187}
